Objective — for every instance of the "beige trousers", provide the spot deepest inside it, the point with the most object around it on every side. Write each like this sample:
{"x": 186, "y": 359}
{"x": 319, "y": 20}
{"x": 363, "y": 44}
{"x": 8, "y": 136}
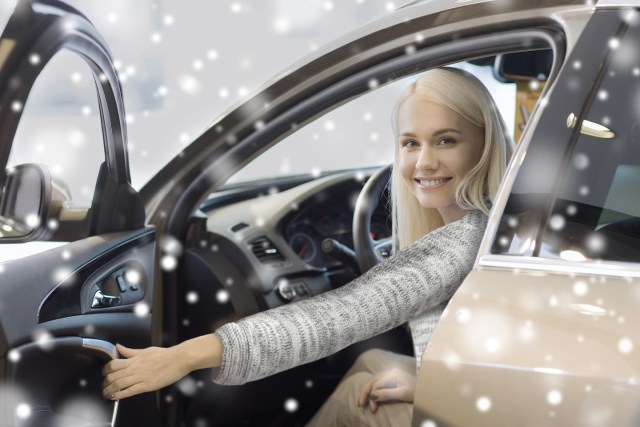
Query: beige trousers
{"x": 341, "y": 409}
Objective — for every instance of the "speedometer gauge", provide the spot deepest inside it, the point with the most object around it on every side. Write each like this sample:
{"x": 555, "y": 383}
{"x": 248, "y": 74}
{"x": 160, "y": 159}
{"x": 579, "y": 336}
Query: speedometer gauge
{"x": 304, "y": 246}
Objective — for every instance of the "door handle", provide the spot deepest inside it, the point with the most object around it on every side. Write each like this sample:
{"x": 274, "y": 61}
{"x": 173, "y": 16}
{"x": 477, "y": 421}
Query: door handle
{"x": 107, "y": 351}
{"x": 101, "y": 300}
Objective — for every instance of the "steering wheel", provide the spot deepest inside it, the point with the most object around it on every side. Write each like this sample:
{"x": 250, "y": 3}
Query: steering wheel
{"x": 370, "y": 252}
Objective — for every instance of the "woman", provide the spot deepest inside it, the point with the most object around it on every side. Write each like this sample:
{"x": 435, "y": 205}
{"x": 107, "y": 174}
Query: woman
{"x": 451, "y": 153}
{"x": 450, "y": 156}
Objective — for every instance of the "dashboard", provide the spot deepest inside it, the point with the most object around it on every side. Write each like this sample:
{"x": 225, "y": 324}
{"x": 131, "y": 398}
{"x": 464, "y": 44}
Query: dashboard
{"x": 262, "y": 243}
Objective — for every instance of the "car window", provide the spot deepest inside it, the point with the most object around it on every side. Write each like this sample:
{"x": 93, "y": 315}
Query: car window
{"x": 357, "y": 134}
{"x": 60, "y": 127}
{"x": 65, "y": 143}
{"x": 595, "y": 210}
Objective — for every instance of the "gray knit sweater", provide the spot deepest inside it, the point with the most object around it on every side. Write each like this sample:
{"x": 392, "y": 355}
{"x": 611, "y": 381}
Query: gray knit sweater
{"x": 416, "y": 283}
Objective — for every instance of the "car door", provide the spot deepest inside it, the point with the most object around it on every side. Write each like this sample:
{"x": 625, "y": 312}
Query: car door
{"x": 544, "y": 329}
{"x": 62, "y": 308}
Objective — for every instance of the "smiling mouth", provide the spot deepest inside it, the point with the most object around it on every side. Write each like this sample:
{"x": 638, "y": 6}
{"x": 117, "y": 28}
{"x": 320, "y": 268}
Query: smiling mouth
{"x": 430, "y": 183}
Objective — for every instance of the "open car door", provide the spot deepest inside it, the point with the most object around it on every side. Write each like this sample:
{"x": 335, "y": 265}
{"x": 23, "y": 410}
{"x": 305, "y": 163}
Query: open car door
{"x": 63, "y": 309}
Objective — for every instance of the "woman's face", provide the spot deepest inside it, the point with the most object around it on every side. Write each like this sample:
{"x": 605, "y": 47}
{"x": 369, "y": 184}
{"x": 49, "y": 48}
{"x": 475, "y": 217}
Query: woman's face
{"x": 437, "y": 147}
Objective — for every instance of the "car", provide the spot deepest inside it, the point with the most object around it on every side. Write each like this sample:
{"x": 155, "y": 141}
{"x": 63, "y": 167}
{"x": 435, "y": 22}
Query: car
{"x": 540, "y": 333}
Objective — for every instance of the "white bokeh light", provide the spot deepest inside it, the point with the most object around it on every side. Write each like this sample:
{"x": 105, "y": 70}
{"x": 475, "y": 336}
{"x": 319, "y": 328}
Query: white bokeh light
{"x": 580, "y": 288}
{"x": 291, "y": 405}
{"x": 142, "y": 309}
{"x": 222, "y": 296}
{"x": 625, "y": 346}
{"x": 192, "y": 297}
{"x": 554, "y": 397}
{"x": 483, "y": 404}
{"x": 23, "y": 411}
{"x": 557, "y": 222}
{"x": 168, "y": 262}
{"x": 14, "y": 356}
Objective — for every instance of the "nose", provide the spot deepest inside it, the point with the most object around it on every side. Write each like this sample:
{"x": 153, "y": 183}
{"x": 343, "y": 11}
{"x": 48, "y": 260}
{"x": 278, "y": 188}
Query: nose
{"x": 427, "y": 158}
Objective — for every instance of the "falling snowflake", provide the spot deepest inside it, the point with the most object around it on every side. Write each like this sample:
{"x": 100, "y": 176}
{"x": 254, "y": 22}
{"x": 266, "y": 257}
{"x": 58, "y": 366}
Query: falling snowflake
{"x": 223, "y": 93}
{"x": 577, "y": 65}
{"x": 189, "y": 84}
{"x": 483, "y": 404}
{"x": 428, "y": 423}
{"x": 614, "y": 43}
{"x": 308, "y": 384}
{"x": 580, "y": 288}
{"x": 603, "y": 95}
{"x": 291, "y": 405}
{"x": 192, "y": 297}
{"x": 329, "y": 125}
{"x": 222, "y": 296}
{"x": 187, "y": 386}
{"x": 463, "y": 315}
{"x": 34, "y": 59}
{"x": 554, "y": 397}
{"x": 43, "y": 339}
{"x": 581, "y": 161}
{"x": 168, "y": 263}
{"x": 410, "y": 50}
{"x": 168, "y": 20}
{"x": 141, "y": 309}
{"x": 16, "y": 106}
{"x": 625, "y": 346}
{"x": 14, "y": 356}
{"x": 156, "y": 37}
{"x": 557, "y": 222}
{"x": 328, "y": 5}
{"x": 23, "y": 411}
{"x": 492, "y": 345}
{"x": 596, "y": 243}
{"x": 315, "y": 172}
{"x": 572, "y": 210}
{"x": 584, "y": 190}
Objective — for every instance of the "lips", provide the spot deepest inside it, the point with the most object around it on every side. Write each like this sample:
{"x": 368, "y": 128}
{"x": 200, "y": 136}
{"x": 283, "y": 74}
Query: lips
{"x": 431, "y": 183}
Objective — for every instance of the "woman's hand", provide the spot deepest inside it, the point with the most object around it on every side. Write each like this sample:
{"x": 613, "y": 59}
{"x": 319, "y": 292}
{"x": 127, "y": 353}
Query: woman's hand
{"x": 392, "y": 385}
{"x": 152, "y": 368}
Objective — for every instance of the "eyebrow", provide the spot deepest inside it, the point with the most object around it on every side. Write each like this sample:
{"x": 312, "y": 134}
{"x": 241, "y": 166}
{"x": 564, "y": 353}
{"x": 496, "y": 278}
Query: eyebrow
{"x": 436, "y": 133}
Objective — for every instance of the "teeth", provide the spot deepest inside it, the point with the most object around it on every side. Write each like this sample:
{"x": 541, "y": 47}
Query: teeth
{"x": 432, "y": 182}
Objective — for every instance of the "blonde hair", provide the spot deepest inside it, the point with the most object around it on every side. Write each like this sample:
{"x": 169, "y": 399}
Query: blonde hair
{"x": 463, "y": 93}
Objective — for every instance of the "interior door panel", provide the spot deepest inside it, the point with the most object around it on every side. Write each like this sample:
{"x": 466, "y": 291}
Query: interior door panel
{"x": 53, "y": 344}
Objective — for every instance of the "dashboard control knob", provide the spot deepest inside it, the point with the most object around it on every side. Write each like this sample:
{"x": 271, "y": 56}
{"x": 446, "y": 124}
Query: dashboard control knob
{"x": 285, "y": 291}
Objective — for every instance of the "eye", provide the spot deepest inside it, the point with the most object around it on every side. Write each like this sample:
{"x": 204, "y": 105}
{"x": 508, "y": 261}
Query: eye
{"x": 409, "y": 143}
{"x": 447, "y": 140}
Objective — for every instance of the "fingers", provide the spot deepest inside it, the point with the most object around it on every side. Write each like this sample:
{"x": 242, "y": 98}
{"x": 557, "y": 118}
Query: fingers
{"x": 123, "y": 394}
{"x": 364, "y": 394}
{"x": 125, "y": 351}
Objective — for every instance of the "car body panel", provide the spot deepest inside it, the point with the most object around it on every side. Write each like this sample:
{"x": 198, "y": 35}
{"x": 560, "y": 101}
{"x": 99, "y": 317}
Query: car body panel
{"x": 544, "y": 341}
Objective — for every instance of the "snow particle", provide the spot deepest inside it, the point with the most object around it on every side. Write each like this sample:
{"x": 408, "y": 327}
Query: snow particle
{"x": 34, "y": 59}
{"x": 625, "y": 346}
{"x": 557, "y": 222}
{"x": 329, "y": 125}
{"x": 189, "y": 84}
{"x": 291, "y": 405}
{"x": 168, "y": 20}
{"x": 483, "y": 404}
{"x": 584, "y": 190}
{"x": 463, "y": 315}
{"x": 373, "y": 83}
{"x": 553, "y": 301}
{"x": 14, "y": 356}
{"x": 595, "y": 243}
{"x": 141, "y": 309}
{"x": 635, "y": 71}
{"x": 223, "y": 93}
{"x": 23, "y": 411}
{"x": 222, "y": 296}
{"x": 554, "y": 397}
{"x": 212, "y": 55}
{"x": 236, "y": 7}
{"x": 308, "y": 384}
{"x": 192, "y": 297}
{"x": 315, "y": 172}
{"x": 43, "y": 339}
{"x": 492, "y": 345}
{"x": 410, "y": 50}
{"x": 198, "y": 65}
{"x": 580, "y": 288}
{"x": 156, "y": 37}
{"x": 428, "y": 423}
{"x": 614, "y": 43}
{"x": 328, "y": 5}
{"x": 581, "y": 161}
{"x": 577, "y": 65}
{"x": 367, "y": 117}
{"x": 16, "y": 106}
{"x": 572, "y": 210}
{"x": 603, "y": 95}
{"x": 534, "y": 85}
{"x": 168, "y": 263}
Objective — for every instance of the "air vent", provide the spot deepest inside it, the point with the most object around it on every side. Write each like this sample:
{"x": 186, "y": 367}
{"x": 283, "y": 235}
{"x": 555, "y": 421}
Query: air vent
{"x": 239, "y": 226}
{"x": 265, "y": 250}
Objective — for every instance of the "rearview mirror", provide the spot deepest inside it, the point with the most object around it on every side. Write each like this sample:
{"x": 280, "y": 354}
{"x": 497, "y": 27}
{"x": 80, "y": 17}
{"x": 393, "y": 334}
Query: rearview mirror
{"x": 24, "y": 203}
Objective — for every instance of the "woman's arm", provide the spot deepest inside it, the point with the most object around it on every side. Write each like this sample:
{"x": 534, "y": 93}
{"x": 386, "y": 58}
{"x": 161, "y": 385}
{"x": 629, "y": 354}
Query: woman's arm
{"x": 420, "y": 277}
{"x": 155, "y": 367}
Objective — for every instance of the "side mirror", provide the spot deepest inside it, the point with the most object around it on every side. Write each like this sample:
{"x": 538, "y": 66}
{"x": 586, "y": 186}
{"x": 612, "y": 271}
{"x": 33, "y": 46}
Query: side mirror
{"x": 523, "y": 66}
{"x": 25, "y": 201}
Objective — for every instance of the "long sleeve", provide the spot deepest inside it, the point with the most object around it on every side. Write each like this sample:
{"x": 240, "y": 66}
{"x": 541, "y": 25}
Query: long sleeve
{"x": 418, "y": 278}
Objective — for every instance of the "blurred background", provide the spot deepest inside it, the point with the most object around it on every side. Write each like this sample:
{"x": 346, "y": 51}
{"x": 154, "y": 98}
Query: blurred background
{"x": 184, "y": 63}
